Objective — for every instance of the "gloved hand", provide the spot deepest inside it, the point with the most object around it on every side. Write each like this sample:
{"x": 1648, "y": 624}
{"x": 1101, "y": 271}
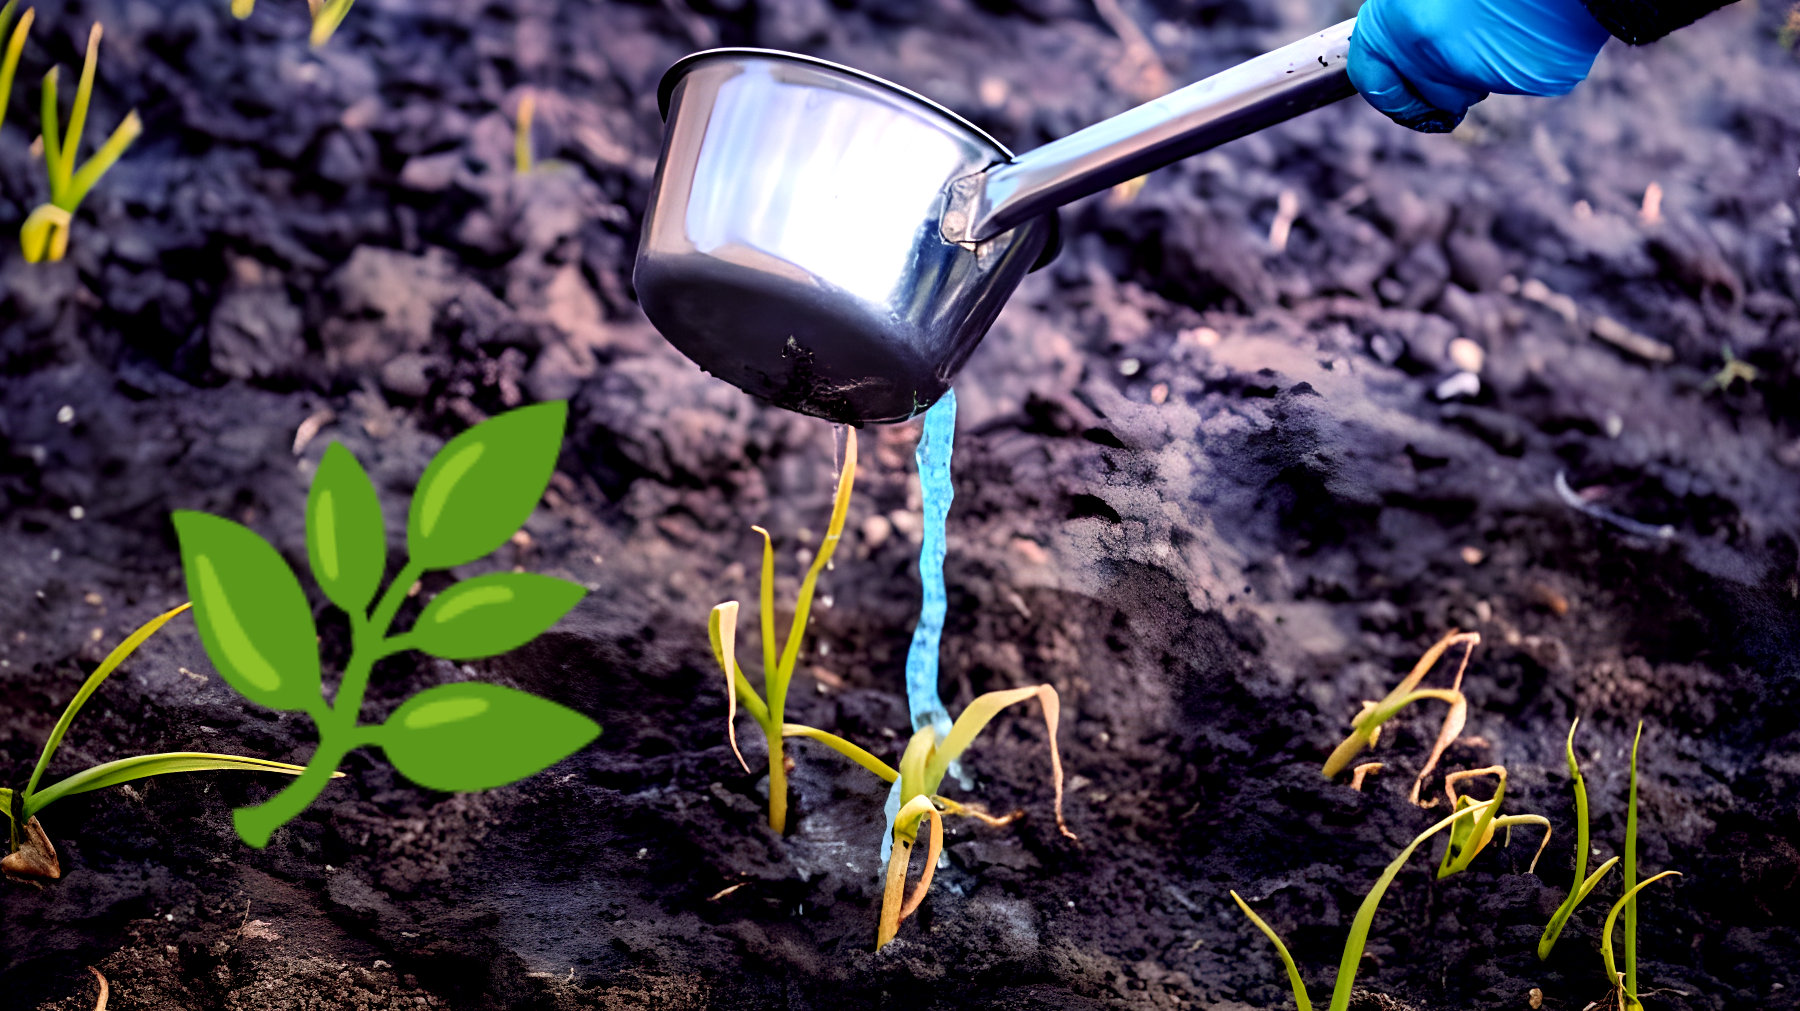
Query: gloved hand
{"x": 1424, "y": 62}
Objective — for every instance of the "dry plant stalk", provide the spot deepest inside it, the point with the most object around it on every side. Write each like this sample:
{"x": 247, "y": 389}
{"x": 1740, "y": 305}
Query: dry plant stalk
{"x": 1366, "y": 728}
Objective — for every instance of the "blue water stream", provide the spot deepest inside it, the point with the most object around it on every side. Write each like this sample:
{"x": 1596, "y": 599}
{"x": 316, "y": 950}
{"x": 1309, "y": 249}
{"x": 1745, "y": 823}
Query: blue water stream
{"x": 922, "y": 658}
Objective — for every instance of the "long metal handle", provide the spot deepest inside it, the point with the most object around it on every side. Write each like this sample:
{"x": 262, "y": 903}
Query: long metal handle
{"x": 1264, "y": 91}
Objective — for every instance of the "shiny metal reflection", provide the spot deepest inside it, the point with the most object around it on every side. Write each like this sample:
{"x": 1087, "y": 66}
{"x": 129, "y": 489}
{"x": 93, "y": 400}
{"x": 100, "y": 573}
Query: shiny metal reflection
{"x": 838, "y": 245}
{"x": 792, "y": 244}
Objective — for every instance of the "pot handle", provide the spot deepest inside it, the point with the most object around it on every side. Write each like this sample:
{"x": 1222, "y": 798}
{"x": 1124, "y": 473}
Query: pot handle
{"x": 1269, "y": 89}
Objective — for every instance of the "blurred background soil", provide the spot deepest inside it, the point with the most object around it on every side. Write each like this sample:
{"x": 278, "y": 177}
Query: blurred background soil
{"x": 1221, "y": 477}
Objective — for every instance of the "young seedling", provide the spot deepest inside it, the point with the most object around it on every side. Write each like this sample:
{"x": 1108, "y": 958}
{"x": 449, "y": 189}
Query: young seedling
{"x": 258, "y": 629}
{"x": 522, "y": 151}
{"x": 1365, "y": 917}
{"x": 45, "y": 234}
{"x": 1631, "y": 872}
{"x": 9, "y": 65}
{"x": 1584, "y": 882}
{"x": 1365, "y": 730}
{"x": 326, "y": 16}
{"x": 779, "y": 660}
{"x": 29, "y": 852}
{"x": 1468, "y": 839}
{"x": 922, "y": 769}
{"x": 1624, "y": 988}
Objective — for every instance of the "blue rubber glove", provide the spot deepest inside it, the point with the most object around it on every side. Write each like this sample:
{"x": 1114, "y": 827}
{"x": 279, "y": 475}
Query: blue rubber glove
{"x": 1424, "y": 62}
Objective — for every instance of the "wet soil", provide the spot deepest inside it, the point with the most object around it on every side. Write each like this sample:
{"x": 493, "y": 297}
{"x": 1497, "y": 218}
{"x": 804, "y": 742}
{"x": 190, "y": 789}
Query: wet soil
{"x": 1213, "y": 490}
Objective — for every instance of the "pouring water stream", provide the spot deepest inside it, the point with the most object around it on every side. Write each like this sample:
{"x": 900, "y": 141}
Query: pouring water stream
{"x": 933, "y": 458}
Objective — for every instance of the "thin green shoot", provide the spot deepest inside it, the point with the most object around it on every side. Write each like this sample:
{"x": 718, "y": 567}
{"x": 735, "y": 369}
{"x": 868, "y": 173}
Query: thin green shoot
{"x": 522, "y": 152}
{"x": 1631, "y": 872}
{"x": 22, "y": 806}
{"x": 14, "y": 46}
{"x": 1366, "y": 728}
{"x": 45, "y": 234}
{"x": 327, "y": 16}
{"x": 779, "y": 659}
{"x": 1628, "y": 999}
{"x": 1468, "y": 839}
{"x": 1365, "y": 918}
{"x": 1584, "y": 882}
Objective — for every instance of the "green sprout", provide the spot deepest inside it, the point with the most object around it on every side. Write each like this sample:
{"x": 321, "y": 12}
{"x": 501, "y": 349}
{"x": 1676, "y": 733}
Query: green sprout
{"x": 326, "y": 16}
{"x": 522, "y": 155}
{"x": 778, "y": 667}
{"x": 1365, "y": 917}
{"x": 1468, "y": 839}
{"x": 45, "y": 234}
{"x": 1631, "y": 873}
{"x": 1624, "y": 988}
{"x": 14, "y": 46}
{"x": 1365, "y": 730}
{"x": 926, "y": 760}
{"x": 258, "y": 629}
{"x": 1584, "y": 882}
{"x": 29, "y": 851}
{"x": 924, "y": 764}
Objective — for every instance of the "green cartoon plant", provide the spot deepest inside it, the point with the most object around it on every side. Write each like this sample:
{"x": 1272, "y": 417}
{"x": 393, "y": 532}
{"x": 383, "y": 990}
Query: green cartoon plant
{"x": 1365, "y": 916}
{"x": 258, "y": 629}
{"x": 1365, "y": 730}
{"x": 29, "y": 851}
{"x": 45, "y": 234}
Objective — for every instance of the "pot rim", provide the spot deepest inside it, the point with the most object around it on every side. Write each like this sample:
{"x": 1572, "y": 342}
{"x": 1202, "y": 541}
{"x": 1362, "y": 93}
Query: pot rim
{"x": 665, "y": 91}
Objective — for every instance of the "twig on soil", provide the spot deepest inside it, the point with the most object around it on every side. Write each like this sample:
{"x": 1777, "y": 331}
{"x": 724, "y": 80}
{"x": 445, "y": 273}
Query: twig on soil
{"x": 105, "y": 991}
{"x": 1605, "y": 515}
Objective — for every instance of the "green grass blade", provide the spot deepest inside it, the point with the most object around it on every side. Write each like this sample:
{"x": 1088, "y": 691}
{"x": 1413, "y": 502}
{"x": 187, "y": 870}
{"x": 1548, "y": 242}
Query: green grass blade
{"x": 766, "y": 604}
{"x": 1577, "y": 890}
{"x": 326, "y": 21}
{"x": 1606, "y": 948}
{"x": 843, "y": 747}
{"x": 522, "y": 155}
{"x": 834, "y": 531}
{"x": 1631, "y": 833}
{"x": 10, "y": 66}
{"x": 1300, "y": 999}
{"x": 84, "y": 92}
{"x": 6, "y": 807}
{"x": 51, "y": 134}
{"x": 127, "y": 769}
{"x": 1365, "y": 914}
{"x": 129, "y": 130}
{"x": 118, "y": 656}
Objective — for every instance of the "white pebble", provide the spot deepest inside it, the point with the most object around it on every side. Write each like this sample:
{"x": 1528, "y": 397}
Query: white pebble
{"x": 1463, "y": 384}
{"x": 65, "y": 415}
{"x": 76, "y": 512}
{"x": 1129, "y": 367}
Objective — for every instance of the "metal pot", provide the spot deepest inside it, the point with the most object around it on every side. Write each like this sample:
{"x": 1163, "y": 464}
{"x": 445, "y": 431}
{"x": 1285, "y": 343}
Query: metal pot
{"x": 838, "y": 245}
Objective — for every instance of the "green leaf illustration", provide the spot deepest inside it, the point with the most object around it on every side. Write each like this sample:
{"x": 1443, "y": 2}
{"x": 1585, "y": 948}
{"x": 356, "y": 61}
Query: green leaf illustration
{"x": 345, "y": 539}
{"x": 474, "y": 736}
{"x": 253, "y": 618}
{"x": 492, "y": 614}
{"x": 483, "y": 485}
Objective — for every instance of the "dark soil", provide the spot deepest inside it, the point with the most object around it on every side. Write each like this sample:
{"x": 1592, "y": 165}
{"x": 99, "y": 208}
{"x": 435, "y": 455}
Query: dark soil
{"x": 1214, "y": 549}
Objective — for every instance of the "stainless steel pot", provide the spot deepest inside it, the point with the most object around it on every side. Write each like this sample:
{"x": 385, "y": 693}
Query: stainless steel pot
{"x": 838, "y": 245}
